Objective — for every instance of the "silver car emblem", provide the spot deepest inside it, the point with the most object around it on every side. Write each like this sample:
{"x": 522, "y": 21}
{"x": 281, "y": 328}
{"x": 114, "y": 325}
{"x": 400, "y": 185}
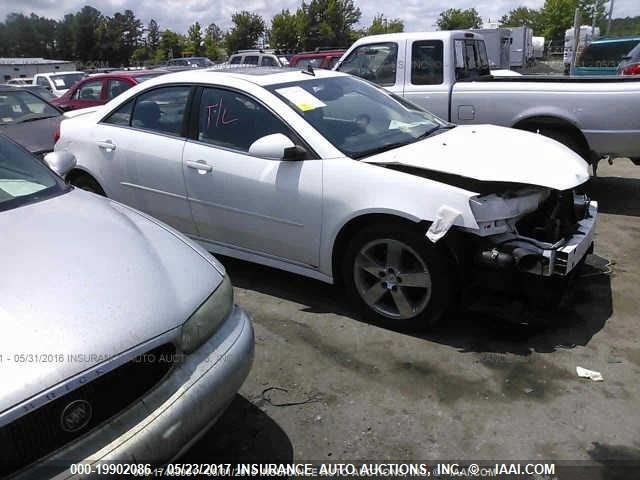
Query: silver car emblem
{"x": 76, "y": 415}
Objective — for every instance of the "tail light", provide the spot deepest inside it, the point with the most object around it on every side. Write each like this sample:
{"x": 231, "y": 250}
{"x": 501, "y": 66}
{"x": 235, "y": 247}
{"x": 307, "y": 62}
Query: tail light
{"x": 632, "y": 69}
{"x": 56, "y": 135}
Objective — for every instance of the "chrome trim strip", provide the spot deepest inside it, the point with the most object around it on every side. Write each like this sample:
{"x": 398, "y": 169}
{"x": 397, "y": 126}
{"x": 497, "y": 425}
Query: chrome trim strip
{"x": 154, "y": 190}
{"x": 245, "y": 212}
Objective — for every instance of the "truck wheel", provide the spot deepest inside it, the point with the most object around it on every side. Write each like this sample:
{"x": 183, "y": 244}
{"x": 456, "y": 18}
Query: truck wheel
{"x": 396, "y": 277}
{"x": 88, "y": 183}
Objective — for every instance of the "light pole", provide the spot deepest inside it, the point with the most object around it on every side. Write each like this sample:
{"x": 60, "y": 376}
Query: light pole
{"x": 610, "y": 14}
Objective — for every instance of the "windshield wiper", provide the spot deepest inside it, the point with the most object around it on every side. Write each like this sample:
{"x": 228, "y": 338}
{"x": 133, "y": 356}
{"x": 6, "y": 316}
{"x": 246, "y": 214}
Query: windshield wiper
{"x": 33, "y": 119}
{"x": 383, "y": 148}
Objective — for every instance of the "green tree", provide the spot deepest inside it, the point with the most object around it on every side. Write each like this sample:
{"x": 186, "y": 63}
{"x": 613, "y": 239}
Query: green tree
{"x": 247, "y": 29}
{"x": 286, "y": 30}
{"x": 457, "y": 19}
{"x": 329, "y": 23}
{"x": 557, "y": 17}
{"x": 153, "y": 35}
{"x": 381, "y": 25}
{"x": 194, "y": 44}
{"x": 64, "y": 37}
{"x": 587, "y": 9}
{"x": 171, "y": 46}
{"x": 523, "y": 16}
{"x": 86, "y": 23}
{"x": 213, "y": 42}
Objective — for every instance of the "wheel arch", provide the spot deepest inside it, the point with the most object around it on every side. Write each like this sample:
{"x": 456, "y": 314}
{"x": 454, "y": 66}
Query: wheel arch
{"x": 535, "y": 122}
{"x": 79, "y": 171}
{"x": 355, "y": 224}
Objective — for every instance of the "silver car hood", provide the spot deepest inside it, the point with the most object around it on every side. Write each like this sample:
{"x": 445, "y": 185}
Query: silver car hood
{"x": 85, "y": 275}
{"x": 492, "y": 153}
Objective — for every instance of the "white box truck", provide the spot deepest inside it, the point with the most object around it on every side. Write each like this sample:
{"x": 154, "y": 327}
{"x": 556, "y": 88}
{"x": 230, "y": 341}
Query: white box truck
{"x": 521, "y": 47}
{"x": 498, "y": 43}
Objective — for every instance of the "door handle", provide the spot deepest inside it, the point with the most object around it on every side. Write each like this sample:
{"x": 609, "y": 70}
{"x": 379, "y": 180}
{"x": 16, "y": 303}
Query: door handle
{"x": 108, "y": 145}
{"x": 199, "y": 165}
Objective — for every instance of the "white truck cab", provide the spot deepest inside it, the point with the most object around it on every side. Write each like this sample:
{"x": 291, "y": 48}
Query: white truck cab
{"x": 58, "y": 82}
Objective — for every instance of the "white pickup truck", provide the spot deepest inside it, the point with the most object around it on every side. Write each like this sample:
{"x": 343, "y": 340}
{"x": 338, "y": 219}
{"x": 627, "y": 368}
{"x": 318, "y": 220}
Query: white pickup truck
{"x": 448, "y": 74}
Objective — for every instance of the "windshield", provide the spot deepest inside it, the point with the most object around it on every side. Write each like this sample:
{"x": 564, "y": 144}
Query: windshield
{"x": 356, "y": 117}
{"x": 42, "y": 91}
{"x": 23, "y": 106}
{"x": 23, "y": 178}
{"x": 62, "y": 82}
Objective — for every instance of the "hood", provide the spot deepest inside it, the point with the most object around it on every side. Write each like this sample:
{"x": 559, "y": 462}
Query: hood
{"x": 491, "y": 153}
{"x": 36, "y": 136}
{"x": 82, "y": 275}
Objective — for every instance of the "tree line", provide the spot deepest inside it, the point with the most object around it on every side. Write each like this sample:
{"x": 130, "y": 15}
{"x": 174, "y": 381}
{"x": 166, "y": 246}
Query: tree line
{"x": 550, "y": 21}
{"x": 93, "y": 38}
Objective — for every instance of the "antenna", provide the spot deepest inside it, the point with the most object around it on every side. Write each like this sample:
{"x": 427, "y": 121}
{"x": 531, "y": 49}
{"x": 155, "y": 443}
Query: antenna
{"x": 309, "y": 70}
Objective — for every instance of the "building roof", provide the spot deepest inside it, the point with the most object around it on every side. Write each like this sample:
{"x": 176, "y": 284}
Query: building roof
{"x": 30, "y": 61}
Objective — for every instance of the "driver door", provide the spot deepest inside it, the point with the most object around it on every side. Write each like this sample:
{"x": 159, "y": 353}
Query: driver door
{"x": 267, "y": 207}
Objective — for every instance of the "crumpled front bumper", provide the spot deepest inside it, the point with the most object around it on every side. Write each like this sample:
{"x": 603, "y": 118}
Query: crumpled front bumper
{"x": 528, "y": 255}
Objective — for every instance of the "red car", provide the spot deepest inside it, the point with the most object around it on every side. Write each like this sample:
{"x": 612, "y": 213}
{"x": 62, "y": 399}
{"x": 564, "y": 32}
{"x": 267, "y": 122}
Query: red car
{"x": 99, "y": 89}
{"x": 318, "y": 59}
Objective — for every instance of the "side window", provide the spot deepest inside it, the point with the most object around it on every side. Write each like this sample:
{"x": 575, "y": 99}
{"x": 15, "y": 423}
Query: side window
{"x": 375, "y": 62}
{"x": 116, "y": 87}
{"x": 43, "y": 82}
{"x": 332, "y": 62}
{"x": 471, "y": 59}
{"x": 233, "y": 120}
{"x": 426, "y": 62}
{"x": 268, "y": 62}
{"x": 122, "y": 116}
{"x": 235, "y": 60}
{"x": 251, "y": 60}
{"x": 89, "y": 91}
{"x": 161, "y": 109}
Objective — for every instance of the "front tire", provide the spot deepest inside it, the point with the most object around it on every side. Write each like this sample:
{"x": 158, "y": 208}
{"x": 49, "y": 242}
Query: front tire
{"x": 397, "y": 278}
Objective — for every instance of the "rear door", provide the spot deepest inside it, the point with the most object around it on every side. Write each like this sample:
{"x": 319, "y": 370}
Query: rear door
{"x": 140, "y": 146}
{"x": 424, "y": 81}
{"x": 88, "y": 94}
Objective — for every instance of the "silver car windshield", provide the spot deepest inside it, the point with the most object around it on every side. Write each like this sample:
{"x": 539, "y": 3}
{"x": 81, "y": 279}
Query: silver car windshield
{"x": 356, "y": 117}
{"x": 23, "y": 178}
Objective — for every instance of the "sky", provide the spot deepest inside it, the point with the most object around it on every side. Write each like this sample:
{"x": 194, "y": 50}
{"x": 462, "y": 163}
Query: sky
{"x": 418, "y": 15}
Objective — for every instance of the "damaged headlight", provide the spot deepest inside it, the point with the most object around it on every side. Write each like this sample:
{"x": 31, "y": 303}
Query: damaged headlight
{"x": 208, "y": 317}
{"x": 494, "y": 212}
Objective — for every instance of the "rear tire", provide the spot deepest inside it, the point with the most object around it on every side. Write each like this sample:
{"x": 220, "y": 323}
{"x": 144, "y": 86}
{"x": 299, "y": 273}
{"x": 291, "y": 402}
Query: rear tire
{"x": 396, "y": 277}
{"x": 88, "y": 183}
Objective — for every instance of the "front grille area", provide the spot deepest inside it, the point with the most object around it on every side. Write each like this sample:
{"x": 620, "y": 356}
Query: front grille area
{"x": 43, "y": 431}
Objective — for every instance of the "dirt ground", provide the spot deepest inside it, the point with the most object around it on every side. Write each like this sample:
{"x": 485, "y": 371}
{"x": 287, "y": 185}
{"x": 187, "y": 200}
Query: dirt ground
{"x": 475, "y": 388}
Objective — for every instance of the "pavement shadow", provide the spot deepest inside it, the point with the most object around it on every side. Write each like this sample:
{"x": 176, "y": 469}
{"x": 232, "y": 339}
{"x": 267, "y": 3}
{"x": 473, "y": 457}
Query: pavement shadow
{"x": 503, "y": 327}
{"x": 244, "y": 434}
{"x": 615, "y": 195}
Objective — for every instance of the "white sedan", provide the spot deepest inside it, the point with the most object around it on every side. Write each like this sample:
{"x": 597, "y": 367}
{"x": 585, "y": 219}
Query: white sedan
{"x": 325, "y": 175}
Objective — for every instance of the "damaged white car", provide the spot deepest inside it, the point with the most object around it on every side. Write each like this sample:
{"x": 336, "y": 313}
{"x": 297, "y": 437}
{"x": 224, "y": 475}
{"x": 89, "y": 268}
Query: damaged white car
{"x": 325, "y": 175}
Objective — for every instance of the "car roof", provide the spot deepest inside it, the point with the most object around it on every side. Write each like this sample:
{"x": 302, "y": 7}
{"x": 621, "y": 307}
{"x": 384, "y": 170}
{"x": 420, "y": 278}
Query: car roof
{"x": 320, "y": 53}
{"x": 262, "y": 76}
{"x": 125, "y": 74}
{"x": 437, "y": 35}
{"x": 59, "y": 73}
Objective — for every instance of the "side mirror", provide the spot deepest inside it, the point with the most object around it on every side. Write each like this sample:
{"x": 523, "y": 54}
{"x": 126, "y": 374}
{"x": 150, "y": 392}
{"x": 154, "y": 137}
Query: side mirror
{"x": 60, "y": 162}
{"x": 277, "y": 147}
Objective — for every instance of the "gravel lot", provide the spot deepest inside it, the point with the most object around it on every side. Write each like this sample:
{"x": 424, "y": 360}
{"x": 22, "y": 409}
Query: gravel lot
{"x": 477, "y": 387}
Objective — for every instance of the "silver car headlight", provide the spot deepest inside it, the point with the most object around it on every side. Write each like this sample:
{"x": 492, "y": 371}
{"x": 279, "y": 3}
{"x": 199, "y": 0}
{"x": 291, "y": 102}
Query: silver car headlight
{"x": 208, "y": 317}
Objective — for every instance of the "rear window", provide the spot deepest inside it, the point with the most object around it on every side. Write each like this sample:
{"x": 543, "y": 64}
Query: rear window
{"x": 606, "y": 54}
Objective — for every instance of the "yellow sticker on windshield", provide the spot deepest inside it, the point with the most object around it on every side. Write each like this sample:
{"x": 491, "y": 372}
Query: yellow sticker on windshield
{"x": 302, "y": 99}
